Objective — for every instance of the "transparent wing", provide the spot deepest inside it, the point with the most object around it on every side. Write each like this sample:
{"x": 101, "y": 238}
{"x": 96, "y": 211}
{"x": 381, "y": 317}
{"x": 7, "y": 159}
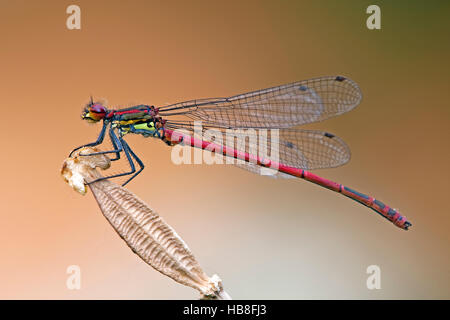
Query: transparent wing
{"x": 278, "y": 107}
{"x": 305, "y": 149}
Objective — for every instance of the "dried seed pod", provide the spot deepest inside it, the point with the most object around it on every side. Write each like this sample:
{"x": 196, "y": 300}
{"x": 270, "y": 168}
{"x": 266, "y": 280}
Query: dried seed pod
{"x": 144, "y": 231}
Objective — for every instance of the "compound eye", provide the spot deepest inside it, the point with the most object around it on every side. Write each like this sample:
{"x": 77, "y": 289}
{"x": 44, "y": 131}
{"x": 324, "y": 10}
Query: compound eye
{"x": 97, "y": 108}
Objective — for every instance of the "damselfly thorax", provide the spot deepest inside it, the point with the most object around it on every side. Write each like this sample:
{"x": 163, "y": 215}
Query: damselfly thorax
{"x": 144, "y": 124}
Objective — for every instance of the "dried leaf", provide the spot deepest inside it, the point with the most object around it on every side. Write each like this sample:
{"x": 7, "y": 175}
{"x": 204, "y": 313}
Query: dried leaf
{"x": 144, "y": 231}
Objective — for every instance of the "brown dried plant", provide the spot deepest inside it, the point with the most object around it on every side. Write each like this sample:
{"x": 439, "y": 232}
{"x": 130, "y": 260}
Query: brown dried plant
{"x": 144, "y": 231}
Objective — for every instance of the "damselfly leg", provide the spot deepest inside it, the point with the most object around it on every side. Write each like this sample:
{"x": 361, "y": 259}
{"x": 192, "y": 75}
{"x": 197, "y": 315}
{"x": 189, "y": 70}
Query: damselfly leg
{"x": 114, "y": 142}
{"x": 118, "y": 147}
{"x": 99, "y": 140}
{"x": 139, "y": 162}
{"x": 121, "y": 145}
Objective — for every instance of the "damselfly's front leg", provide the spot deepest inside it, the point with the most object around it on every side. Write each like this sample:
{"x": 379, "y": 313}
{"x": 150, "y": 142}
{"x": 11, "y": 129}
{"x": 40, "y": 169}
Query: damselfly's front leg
{"x": 99, "y": 140}
{"x": 117, "y": 145}
{"x": 130, "y": 155}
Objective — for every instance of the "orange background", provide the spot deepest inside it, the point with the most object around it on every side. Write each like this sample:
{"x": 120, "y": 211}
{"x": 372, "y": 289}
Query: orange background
{"x": 266, "y": 238}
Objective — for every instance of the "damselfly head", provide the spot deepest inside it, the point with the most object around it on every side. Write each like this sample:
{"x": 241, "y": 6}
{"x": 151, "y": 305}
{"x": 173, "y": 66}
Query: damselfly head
{"x": 94, "y": 112}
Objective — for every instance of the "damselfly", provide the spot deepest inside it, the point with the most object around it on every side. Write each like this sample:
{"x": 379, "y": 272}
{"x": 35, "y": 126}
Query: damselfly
{"x": 279, "y": 108}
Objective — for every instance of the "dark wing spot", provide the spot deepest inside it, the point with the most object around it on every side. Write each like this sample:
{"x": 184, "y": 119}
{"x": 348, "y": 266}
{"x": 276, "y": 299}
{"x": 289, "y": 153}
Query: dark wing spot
{"x": 303, "y": 88}
{"x": 289, "y": 144}
{"x": 340, "y": 78}
{"x": 329, "y": 135}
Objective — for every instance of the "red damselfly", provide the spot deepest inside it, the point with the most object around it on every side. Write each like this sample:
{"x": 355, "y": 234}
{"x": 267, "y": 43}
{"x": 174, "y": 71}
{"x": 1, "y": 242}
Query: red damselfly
{"x": 279, "y": 108}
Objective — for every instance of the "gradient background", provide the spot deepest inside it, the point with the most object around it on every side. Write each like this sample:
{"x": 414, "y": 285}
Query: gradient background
{"x": 266, "y": 238}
